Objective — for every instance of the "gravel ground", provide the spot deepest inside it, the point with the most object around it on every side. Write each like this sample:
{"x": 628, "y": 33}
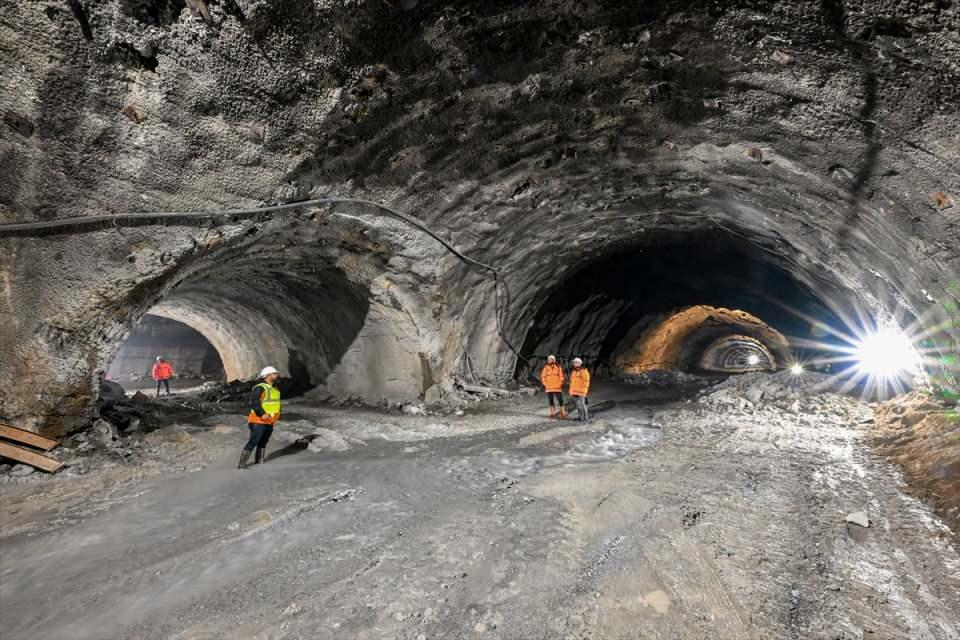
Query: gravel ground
{"x": 663, "y": 518}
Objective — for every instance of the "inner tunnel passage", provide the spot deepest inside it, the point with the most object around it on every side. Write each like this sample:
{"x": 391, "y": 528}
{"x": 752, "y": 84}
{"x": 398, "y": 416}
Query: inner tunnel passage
{"x": 709, "y": 302}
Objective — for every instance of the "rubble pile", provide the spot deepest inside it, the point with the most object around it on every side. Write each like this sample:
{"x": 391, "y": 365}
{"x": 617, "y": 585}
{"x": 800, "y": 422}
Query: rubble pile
{"x": 664, "y": 378}
{"x": 117, "y": 436}
{"x": 239, "y": 390}
{"x": 808, "y": 392}
{"x": 219, "y": 392}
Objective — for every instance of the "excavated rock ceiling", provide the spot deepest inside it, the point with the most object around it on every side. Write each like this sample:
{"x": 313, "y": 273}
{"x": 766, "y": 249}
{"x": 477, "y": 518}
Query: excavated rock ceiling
{"x": 540, "y": 138}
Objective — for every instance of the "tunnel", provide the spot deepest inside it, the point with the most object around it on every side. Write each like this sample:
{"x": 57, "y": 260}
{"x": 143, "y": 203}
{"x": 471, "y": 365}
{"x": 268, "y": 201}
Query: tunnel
{"x": 742, "y": 215}
{"x": 601, "y": 180}
{"x": 293, "y": 302}
{"x": 701, "y": 302}
{"x": 158, "y": 337}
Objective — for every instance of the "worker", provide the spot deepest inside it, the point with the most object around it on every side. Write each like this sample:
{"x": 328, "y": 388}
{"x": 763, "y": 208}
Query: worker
{"x": 579, "y": 388}
{"x": 263, "y": 417}
{"x": 162, "y": 372}
{"x": 552, "y": 378}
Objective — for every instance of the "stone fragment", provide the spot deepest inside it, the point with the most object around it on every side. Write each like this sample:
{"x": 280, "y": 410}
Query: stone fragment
{"x": 105, "y": 433}
{"x": 18, "y": 123}
{"x": 941, "y": 200}
{"x": 858, "y": 518}
{"x": 755, "y": 153}
{"x": 781, "y": 57}
{"x": 112, "y": 392}
{"x": 199, "y": 7}
{"x": 135, "y": 114}
{"x": 21, "y": 470}
{"x": 256, "y": 133}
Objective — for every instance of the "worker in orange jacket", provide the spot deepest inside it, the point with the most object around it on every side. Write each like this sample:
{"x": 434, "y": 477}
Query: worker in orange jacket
{"x": 553, "y": 378}
{"x": 579, "y": 388}
{"x": 162, "y": 372}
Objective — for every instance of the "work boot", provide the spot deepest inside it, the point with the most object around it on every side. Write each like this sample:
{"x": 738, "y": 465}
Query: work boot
{"x": 260, "y": 454}
{"x": 243, "y": 459}
{"x": 563, "y": 412}
{"x": 553, "y": 412}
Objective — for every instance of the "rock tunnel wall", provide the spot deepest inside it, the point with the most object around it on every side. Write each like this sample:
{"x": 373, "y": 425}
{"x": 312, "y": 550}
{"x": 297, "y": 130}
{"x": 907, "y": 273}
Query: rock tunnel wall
{"x": 535, "y": 137}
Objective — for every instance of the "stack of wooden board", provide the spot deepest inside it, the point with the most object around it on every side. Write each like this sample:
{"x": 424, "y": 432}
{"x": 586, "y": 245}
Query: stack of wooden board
{"x": 26, "y": 454}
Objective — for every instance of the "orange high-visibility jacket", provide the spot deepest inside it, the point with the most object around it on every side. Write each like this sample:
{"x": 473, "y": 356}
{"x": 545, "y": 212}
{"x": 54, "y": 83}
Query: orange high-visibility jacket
{"x": 579, "y": 382}
{"x": 552, "y": 378}
{"x": 162, "y": 371}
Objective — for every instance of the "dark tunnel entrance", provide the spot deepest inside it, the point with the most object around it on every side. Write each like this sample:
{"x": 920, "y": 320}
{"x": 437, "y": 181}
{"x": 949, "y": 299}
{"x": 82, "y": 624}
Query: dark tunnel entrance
{"x": 706, "y": 302}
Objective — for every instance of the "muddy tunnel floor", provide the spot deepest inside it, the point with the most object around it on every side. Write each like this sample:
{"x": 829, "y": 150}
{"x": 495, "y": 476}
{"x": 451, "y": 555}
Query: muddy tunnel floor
{"x": 670, "y": 515}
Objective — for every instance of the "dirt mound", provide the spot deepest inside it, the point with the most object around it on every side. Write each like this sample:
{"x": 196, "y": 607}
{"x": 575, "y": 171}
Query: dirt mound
{"x": 923, "y": 437}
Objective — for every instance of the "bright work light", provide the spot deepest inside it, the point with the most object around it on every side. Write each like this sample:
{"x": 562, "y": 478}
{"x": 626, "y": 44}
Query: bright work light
{"x": 887, "y": 353}
{"x": 796, "y": 368}
{"x": 753, "y": 360}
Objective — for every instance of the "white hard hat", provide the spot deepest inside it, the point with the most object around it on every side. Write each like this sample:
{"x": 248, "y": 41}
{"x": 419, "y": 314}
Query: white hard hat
{"x": 267, "y": 371}
{"x": 577, "y": 361}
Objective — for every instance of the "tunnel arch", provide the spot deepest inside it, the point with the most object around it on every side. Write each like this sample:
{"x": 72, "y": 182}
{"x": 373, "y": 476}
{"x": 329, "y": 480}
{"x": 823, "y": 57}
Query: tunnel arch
{"x": 322, "y": 304}
{"x": 699, "y": 339}
{"x": 632, "y": 284}
{"x": 191, "y": 353}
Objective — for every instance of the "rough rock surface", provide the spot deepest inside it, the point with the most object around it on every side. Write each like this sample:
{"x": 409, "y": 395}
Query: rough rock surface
{"x": 537, "y": 137}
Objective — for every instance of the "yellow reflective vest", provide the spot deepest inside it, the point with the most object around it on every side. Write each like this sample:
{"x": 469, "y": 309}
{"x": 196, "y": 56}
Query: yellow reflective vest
{"x": 270, "y": 401}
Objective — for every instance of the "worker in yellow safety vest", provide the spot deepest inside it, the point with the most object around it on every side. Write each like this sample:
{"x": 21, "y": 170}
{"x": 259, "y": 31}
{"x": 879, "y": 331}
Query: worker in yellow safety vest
{"x": 264, "y": 415}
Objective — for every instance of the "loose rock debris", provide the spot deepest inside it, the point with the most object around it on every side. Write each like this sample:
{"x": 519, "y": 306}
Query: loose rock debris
{"x": 858, "y": 518}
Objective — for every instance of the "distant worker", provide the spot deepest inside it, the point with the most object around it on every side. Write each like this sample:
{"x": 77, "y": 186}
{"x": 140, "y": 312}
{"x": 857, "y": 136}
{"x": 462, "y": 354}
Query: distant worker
{"x": 264, "y": 414}
{"x": 579, "y": 388}
{"x": 162, "y": 372}
{"x": 552, "y": 378}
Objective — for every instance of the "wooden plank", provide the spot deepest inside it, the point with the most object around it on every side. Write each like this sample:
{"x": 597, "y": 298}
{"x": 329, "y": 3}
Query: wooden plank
{"x": 26, "y": 437}
{"x": 31, "y": 458}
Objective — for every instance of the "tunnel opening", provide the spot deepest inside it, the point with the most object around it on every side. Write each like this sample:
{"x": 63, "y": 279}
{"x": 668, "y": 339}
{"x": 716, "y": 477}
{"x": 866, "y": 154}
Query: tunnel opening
{"x": 299, "y": 315}
{"x": 252, "y": 308}
{"x": 707, "y": 302}
{"x": 193, "y": 358}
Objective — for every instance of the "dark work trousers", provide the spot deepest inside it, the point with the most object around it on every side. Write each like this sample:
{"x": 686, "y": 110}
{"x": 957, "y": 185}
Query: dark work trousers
{"x": 583, "y": 411}
{"x": 555, "y": 396}
{"x": 165, "y": 383}
{"x": 259, "y": 435}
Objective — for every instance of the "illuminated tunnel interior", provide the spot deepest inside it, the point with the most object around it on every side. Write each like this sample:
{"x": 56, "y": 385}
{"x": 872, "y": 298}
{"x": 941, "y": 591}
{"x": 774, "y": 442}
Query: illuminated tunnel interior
{"x": 708, "y": 302}
{"x": 175, "y": 342}
{"x": 296, "y": 313}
